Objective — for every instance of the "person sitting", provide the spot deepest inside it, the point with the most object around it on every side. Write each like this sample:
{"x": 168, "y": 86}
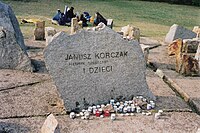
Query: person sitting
{"x": 87, "y": 16}
{"x": 84, "y": 21}
{"x": 70, "y": 14}
{"x": 99, "y": 18}
{"x": 61, "y": 20}
{"x": 56, "y": 17}
{"x": 66, "y": 16}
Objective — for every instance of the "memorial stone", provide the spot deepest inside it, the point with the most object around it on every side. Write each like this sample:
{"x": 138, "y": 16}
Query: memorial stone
{"x": 91, "y": 67}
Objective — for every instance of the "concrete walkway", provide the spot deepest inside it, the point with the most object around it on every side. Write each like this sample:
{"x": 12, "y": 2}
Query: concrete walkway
{"x": 187, "y": 87}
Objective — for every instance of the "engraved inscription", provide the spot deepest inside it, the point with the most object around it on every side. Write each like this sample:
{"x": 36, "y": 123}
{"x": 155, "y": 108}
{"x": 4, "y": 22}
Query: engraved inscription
{"x": 95, "y": 59}
{"x": 97, "y": 69}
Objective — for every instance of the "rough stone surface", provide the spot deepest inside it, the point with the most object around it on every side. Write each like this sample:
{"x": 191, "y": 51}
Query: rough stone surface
{"x": 188, "y": 66}
{"x": 9, "y": 22}
{"x": 177, "y": 31}
{"x": 174, "y": 46}
{"x": 11, "y": 54}
{"x": 190, "y": 45}
{"x": 95, "y": 77}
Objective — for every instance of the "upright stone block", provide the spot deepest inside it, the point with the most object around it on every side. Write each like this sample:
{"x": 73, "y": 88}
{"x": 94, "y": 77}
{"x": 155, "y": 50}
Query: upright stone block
{"x": 190, "y": 45}
{"x": 174, "y": 47}
{"x": 91, "y": 67}
{"x": 49, "y": 33}
{"x": 75, "y": 26}
{"x": 110, "y": 23}
{"x": 39, "y": 31}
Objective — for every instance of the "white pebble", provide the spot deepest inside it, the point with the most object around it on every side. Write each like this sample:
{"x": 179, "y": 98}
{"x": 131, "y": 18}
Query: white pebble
{"x": 72, "y": 115}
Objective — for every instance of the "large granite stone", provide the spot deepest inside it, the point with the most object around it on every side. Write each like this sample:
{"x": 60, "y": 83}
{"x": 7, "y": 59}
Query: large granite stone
{"x": 93, "y": 67}
{"x": 11, "y": 54}
{"x": 9, "y": 22}
{"x": 177, "y": 32}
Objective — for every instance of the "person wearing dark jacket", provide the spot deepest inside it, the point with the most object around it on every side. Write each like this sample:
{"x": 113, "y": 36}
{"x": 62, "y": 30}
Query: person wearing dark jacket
{"x": 84, "y": 21}
{"x": 70, "y": 13}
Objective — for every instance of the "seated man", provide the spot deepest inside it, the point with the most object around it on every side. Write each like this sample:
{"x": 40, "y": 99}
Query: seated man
{"x": 84, "y": 21}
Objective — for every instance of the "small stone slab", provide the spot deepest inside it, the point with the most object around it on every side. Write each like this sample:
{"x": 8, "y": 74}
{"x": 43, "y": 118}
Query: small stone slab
{"x": 93, "y": 67}
{"x": 177, "y": 32}
{"x": 50, "y": 125}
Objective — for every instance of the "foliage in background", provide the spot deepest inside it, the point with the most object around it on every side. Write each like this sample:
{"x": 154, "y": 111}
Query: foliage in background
{"x": 183, "y": 2}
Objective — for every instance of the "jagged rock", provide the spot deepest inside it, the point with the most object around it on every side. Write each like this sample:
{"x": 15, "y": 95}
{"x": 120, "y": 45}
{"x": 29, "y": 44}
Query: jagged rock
{"x": 190, "y": 45}
{"x": 131, "y": 32}
{"x": 189, "y": 66}
{"x": 12, "y": 55}
{"x": 10, "y": 23}
{"x": 177, "y": 31}
{"x": 174, "y": 46}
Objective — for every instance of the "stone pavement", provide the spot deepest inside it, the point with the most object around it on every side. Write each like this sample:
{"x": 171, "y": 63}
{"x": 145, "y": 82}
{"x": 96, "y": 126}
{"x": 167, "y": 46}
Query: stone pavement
{"x": 27, "y": 99}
